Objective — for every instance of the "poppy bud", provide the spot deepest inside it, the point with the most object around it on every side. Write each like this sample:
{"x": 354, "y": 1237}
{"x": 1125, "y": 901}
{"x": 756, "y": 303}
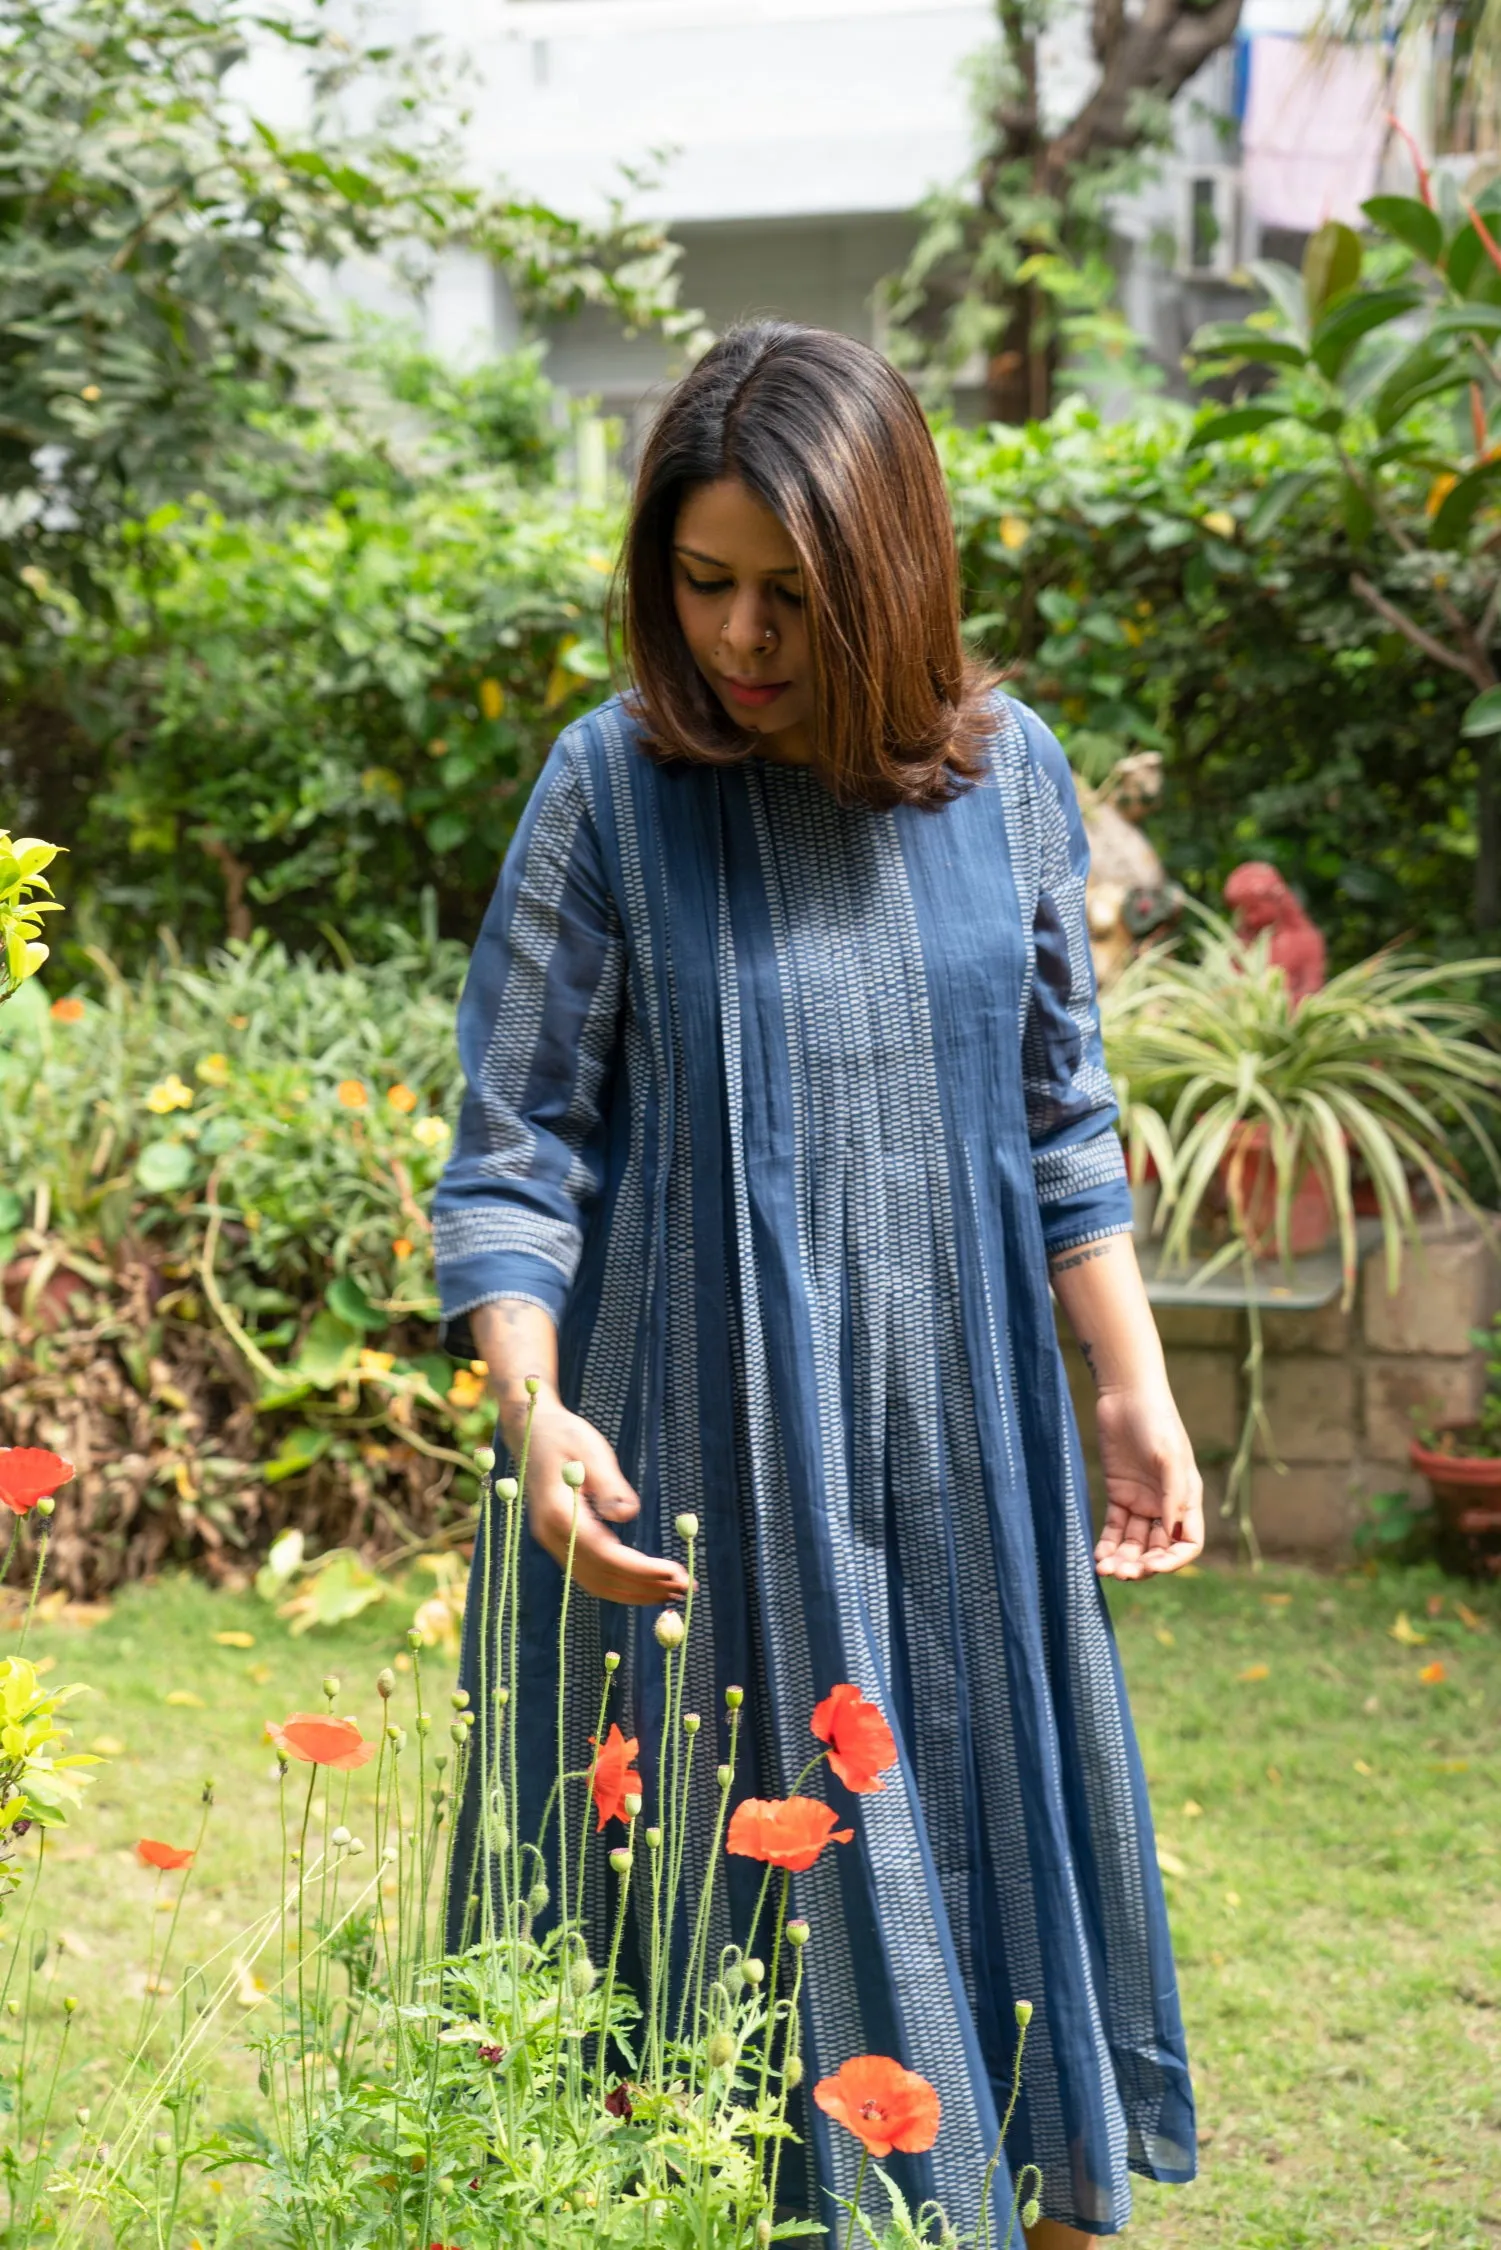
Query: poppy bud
{"x": 466, "y": 1720}
{"x": 719, "y": 1996}
{"x": 69, "y": 2004}
{"x": 458, "y": 1734}
{"x": 724, "y": 1776}
{"x": 763, "y": 2233}
{"x": 722, "y": 2051}
{"x": 424, "y": 1722}
{"x": 582, "y": 1976}
{"x": 753, "y": 1971}
{"x": 506, "y": 1489}
{"x": 798, "y": 1933}
{"x": 654, "y": 1839}
{"x": 792, "y": 2072}
{"x": 531, "y": 1386}
{"x": 385, "y": 1684}
{"x": 686, "y": 1525}
{"x": 612, "y": 1660}
{"x": 669, "y": 1629}
{"x": 390, "y": 1855}
{"x": 633, "y": 1806}
{"x": 331, "y": 1686}
{"x": 355, "y": 1847}
{"x": 691, "y": 1722}
{"x": 620, "y": 1862}
{"x": 1031, "y": 2212}
{"x": 484, "y": 1459}
{"x": 537, "y": 1898}
{"x": 161, "y": 2145}
{"x": 339, "y": 1838}
{"x": 459, "y": 1698}
{"x": 206, "y": 1794}
{"x": 82, "y": 2115}
{"x": 45, "y": 1505}
{"x": 572, "y": 1473}
{"x": 502, "y": 1698}
{"x": 1023, "y": 2013}
{"x": 414, "y": 1639}
{"x": 733, "y": 1698}
{"x": 397, "y": 1737}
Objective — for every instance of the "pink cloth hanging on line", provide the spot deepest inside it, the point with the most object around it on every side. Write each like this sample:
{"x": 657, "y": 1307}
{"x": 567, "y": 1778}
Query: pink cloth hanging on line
{"x": 1314, "y": 131}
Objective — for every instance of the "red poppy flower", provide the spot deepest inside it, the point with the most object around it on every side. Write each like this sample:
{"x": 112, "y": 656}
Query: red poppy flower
{"x": 860, "y": 1742}
{"x": 614, "y": 1778}
{"x": 785, "y": 1832}
{"x": 319, "y": 1740}
{"x": 29, "y": 1473}
{"x": 165, "y": 1856}
{"x": 882, "y": 2104}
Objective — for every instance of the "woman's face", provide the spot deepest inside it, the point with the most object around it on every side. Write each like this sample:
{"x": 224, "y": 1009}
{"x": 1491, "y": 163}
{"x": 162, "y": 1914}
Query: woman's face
{"x": 738, "y": 587}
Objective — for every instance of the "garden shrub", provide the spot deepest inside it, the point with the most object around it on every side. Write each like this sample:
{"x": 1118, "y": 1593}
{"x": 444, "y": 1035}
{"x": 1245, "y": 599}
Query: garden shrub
{"x": 1147, "y": 596}
{"x": 218, "y": 1281}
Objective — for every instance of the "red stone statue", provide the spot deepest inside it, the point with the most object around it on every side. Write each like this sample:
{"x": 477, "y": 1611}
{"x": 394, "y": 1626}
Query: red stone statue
{"x": 1260, "y": 900}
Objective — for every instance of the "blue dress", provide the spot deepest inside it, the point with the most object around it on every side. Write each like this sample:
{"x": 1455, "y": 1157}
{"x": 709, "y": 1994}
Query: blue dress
{"x": 780, "y": 1108}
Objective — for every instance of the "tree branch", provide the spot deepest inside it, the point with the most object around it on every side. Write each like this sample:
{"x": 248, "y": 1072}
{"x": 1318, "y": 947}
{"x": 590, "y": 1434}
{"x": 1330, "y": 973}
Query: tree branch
{"x": 1156, "y": 54}
{"x": 1409, "y": 628}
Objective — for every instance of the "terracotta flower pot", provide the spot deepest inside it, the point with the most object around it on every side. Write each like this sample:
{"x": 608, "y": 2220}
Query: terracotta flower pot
{"x": 1466, "y": 1491}
{"x": 1248, "y": 1177}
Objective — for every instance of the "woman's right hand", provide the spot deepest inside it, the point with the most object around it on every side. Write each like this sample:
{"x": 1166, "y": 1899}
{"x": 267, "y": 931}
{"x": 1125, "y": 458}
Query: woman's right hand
{"x": 603, "y": 1564}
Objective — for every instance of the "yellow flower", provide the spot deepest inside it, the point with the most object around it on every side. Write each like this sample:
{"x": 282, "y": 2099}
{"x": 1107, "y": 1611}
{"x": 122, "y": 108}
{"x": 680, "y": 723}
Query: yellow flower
{"x": 1013, "y": 532}
{"x": 402, "y": 1098}
{"x": 376, "y": 1363}
{"x": 213, "y": 1070}
{"x": 170, "y": 1094}
{"x": 466, "y": 1389}
{"x": 492, "y": 698}
{"x": 401, "y": 1248}
{"x": 431, "y": 1131}
{"x": 1220, "y": 522}
{"x": 351, "y": 1094}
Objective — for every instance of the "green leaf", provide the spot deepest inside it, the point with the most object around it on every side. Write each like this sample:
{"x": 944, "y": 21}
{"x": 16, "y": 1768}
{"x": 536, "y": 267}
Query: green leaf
{"x": 1341, "y": 328}
{"x": 1409, "y": 222}
{"x": 1427, "y": 371}
{"x": 337, "y": 1590}
{"x": 329, "y": 1351}
{"x": 1458, "y": 510}
{"x": 298, "y": 1450}
{"x": 446, "y": 831}
{"x": 221, "y": 1134}
{"x": 1359, "y": 515}
{"x": 282, "y": 1563}
{"x": 1331, "y": 265}
{"x": 1237, "y": 421}
{"x": 164, "y": 1167}
{"x": 1483, "y": 716}
{"x": 12, "y": 1210}
{"x": 347, "y": 1301}
{"x": 1282, "y": 493}
{"x": 1466, "y": 320}
{"x": 1234, "y": 339}
{"x": 1469, "y": 268}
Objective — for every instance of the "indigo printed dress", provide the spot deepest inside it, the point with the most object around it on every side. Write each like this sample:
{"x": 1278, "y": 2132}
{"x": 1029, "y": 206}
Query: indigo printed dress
{"x": 781, "y": 1108}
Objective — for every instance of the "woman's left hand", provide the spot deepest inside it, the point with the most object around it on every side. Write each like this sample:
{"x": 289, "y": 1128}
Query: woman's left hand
{"x": 1154, "y": 1512}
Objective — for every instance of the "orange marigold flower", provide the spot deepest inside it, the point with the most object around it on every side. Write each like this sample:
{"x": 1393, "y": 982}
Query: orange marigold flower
{"x": 860, "y": 1742}
{"x": 402, "y": 1098}
{"x": 882, "y": 2104}
{"x": 67, "y": 1010}
{"x": 29, "y": 1473}
{"x": 614, "y": 1779}
{"x": 401, "y": 1248}
{"x": 317, "y": 1739}
{"x": 785, "y": 1832}
{"x": 165, "y": 1856}
{"x": 351, "y": 1094}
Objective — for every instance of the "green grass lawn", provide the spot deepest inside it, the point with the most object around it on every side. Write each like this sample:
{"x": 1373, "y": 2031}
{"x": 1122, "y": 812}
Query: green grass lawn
{"x": 1327, "y": 1818}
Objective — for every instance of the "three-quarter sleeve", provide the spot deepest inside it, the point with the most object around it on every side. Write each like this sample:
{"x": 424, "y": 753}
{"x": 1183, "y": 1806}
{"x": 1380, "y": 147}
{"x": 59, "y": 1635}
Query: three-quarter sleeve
{"x": 538, "y": 1031}
{"x": 1077, "y": 1159}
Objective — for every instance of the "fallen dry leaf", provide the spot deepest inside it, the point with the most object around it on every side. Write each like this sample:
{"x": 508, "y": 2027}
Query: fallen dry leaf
{"x": 1432, "y": 1673}
{"x": 1273, "y": 1775}
{"x": 1276, "y": 1601}
{"x": 1165, "y": 1637}
{"x": 107, "y": 1746}
{"x": 235, "y": 1640}
{"x": 1255, "y": 1672}
{"x": 1469, "y": 1619}
{"x": 1191, "y": 1811}
{"x": 1452, "y": 1765}
{"x": 260, "y": 1673}
{"x": 1169, "y": 1862}
{"x": 249, "y": 1990}
{"x": 1232, "y": 1900}
{"x": 185, "y": 1699}
{"x": 1402, "y": 1629}
{"x": 1362, "y": 1767}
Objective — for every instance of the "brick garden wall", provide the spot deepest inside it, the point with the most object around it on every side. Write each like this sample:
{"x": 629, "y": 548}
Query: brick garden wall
{"x": 1340, "y": 1389}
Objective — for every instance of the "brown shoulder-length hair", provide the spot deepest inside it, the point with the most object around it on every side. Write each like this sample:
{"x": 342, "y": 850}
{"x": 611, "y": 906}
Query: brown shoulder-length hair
{"x": 828, "y": 436}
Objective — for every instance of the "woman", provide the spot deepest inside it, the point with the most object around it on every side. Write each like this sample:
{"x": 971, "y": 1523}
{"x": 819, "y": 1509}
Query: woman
{"x": 786, "y": 1102}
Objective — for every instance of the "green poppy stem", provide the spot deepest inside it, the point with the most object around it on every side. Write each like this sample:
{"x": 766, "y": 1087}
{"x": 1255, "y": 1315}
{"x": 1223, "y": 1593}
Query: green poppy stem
{"x": 849, "y": 2232}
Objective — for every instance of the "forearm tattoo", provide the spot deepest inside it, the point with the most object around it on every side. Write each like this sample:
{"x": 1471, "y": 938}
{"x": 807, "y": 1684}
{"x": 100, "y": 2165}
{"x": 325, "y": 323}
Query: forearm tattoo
{"x": 1086, "y": 1352}
{"x": 1082, "y": 1255}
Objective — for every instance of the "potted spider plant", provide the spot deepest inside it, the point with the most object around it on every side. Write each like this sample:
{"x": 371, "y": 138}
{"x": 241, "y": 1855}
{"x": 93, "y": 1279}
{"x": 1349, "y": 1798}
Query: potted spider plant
{"x": 1255, "y": 1109}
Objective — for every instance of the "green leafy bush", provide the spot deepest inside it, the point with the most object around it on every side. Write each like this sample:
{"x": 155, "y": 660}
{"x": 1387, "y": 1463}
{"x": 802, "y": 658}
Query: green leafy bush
{"x": 1149, "y": 596}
